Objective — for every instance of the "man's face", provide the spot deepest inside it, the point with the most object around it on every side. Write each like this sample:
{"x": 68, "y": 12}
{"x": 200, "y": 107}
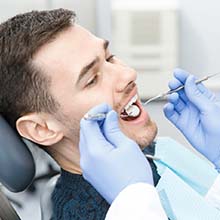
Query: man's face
{"x": 84, "y": 74}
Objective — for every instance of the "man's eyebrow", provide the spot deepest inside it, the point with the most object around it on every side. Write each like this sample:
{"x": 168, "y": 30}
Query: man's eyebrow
{"x": 106, "y": 44}
{"x": 89, "y": 66}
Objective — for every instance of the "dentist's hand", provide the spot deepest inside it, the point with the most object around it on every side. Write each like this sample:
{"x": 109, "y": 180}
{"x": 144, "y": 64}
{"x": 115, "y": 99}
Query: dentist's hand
{"x": 195, "y": 111}
{"x": 109, "y": 160}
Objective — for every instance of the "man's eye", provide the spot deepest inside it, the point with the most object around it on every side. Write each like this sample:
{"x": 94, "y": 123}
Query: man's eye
{"x": 92, "y": 81}
{"x": 110, "y": 58}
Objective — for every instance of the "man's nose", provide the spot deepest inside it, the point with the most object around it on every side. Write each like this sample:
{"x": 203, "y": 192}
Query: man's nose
{"x": 124, "y": 77}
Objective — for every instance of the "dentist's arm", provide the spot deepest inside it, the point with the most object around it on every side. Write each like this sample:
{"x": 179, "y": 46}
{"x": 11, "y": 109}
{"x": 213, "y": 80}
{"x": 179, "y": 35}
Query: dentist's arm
{"x": 117, "y": 168}
{"x": 195, "y": 112}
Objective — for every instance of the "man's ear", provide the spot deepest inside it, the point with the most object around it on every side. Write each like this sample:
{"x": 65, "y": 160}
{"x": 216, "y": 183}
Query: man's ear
{"x": 39, "y": 129}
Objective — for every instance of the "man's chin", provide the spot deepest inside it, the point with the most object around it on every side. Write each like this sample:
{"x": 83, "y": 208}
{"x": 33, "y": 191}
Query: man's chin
{"x": 143, "y": 137}
{"x": 144, "y": 143}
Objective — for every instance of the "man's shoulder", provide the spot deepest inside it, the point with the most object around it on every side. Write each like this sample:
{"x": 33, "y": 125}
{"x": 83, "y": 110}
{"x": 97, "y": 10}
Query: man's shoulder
{"x": 76, "y": 197}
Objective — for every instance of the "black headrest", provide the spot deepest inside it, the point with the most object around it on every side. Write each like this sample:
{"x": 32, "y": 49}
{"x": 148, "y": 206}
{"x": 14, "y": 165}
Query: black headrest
{"x": 17, "y": 167}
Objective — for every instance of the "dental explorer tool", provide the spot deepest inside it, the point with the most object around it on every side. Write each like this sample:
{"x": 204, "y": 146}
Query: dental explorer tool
{"x": 161, "y": 95}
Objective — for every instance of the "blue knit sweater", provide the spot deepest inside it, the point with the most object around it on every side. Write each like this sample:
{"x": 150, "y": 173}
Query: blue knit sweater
{"x": 75, "y": 199}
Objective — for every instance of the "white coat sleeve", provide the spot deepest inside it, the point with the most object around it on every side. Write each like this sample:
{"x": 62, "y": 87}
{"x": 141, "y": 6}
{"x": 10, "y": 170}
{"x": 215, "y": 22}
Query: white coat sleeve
{"x": 213, "y": 195}
{"x": 138, "y": 201}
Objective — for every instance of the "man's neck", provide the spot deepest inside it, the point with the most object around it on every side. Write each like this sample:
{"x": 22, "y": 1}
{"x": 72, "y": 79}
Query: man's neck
{"x": 67, "y": 155}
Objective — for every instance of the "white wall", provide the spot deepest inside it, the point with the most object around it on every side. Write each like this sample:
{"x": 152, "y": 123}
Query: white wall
{"x": 85, "y": 9}
{"x": 9, "y": 8}
{"x": 200, "y": 36}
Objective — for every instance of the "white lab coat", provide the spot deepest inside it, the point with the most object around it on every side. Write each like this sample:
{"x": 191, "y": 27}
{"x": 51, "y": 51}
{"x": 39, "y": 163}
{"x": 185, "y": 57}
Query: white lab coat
{"x": 140, "y": 201}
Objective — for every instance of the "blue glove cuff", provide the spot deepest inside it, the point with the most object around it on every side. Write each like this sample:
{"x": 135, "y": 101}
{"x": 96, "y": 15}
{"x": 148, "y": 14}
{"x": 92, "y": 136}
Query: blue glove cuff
{"x": 217, "y": 165}
{"x": 217, "y": 168}
{"x": 216, "y": 162}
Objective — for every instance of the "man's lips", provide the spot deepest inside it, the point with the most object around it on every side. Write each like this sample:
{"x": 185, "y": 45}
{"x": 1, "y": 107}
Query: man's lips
{"x": 141, "y": 119}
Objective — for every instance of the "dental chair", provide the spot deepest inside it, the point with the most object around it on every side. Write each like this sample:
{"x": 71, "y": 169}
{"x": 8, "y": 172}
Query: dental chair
{"x": 46, "y": 198}
{"x": 17, "y": 172}
{"x": 17, "y": 167}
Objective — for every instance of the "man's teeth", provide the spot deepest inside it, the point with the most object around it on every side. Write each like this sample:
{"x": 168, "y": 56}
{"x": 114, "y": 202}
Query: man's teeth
{"x": 134, "y": 99}
{"x": 133, "y": 111}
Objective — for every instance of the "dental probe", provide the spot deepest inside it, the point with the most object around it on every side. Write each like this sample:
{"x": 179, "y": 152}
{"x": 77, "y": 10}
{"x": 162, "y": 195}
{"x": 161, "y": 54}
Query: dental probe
{"x": 161, "y": 95}
{"x": 95, "y": 117}
{"x": 98, "y": 116}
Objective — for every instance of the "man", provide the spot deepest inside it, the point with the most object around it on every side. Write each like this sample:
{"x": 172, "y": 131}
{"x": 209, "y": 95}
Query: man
{"x": 52, "y": 72}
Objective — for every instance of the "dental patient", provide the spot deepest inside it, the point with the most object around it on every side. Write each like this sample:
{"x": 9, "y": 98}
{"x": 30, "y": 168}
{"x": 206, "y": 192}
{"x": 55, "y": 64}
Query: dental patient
{"x": 52, "y": 72}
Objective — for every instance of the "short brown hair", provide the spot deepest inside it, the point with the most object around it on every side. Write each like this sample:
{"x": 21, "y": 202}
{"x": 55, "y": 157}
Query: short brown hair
{"x": 23, "y": 87}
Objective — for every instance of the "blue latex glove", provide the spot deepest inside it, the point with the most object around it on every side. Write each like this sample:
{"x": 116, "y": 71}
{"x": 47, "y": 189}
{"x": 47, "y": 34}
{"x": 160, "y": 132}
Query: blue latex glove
{"x": 195, "y": 112}
{"x": 110, "y": 161}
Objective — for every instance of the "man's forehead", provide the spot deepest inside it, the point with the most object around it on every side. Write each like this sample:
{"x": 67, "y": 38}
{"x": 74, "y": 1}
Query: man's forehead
{"x": 68, "y": 39}
{"x": 75, "y": 45}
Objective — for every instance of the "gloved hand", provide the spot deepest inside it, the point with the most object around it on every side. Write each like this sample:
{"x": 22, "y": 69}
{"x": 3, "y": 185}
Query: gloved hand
{"x": 195, "y": 111}
{"x": 110, "y": 161}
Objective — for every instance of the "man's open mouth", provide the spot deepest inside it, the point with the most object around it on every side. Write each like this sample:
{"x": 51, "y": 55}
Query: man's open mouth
{"x": 132, "y": 110}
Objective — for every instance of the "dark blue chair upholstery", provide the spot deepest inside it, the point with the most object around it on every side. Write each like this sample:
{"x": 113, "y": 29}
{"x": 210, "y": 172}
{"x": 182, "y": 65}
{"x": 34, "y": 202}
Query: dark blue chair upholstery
{"x": 17, "y": 167}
